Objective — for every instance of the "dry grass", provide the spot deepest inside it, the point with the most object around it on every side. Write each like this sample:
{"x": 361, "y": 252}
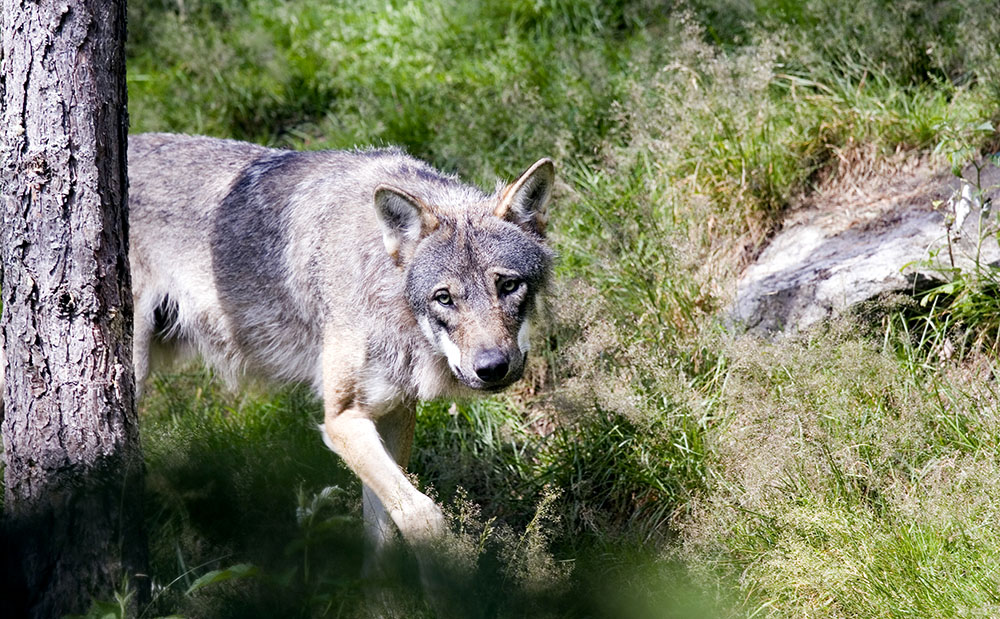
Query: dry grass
{"x": 845, "y": 486}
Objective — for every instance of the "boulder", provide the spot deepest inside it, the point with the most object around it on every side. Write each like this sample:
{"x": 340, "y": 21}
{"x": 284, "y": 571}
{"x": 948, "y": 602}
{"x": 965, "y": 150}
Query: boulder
{"x": 844, "y": 247}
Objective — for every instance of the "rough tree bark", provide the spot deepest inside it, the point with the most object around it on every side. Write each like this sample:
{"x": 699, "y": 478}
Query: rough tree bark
{"x": 73, "y": 476}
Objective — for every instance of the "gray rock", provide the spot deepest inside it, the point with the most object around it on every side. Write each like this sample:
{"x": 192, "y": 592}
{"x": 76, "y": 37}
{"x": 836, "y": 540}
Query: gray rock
{"x": 840, "y": 250}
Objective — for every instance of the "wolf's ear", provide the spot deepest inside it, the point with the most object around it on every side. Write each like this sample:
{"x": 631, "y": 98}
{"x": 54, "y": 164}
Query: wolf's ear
{"x": 404, "y": 220}
{"x": 523, "y": 201}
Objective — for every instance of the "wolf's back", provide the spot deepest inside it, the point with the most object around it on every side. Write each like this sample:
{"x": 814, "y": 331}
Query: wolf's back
{"x": 248, "y": 253}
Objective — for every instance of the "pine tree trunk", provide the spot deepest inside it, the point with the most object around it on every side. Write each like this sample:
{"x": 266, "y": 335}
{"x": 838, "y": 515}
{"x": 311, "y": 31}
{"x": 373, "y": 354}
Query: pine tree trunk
{"x": 73, "y": 476}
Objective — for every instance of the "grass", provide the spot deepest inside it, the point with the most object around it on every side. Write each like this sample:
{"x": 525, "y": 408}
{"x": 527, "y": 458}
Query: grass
{"x": 853, "y": 481}
{"x": 650, "y": 464}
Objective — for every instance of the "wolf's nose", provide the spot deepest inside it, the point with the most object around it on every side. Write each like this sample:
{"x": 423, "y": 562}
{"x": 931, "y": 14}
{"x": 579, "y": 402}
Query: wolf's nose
{"x": 491, "y": 365}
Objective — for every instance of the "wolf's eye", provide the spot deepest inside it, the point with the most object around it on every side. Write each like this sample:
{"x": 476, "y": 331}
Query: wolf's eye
{"x": 443, "y": 297}
{"x": 508, "y": 285}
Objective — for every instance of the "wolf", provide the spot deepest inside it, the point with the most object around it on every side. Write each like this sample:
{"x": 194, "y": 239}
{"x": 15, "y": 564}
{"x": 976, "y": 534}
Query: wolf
{"x": 366, "y": 274}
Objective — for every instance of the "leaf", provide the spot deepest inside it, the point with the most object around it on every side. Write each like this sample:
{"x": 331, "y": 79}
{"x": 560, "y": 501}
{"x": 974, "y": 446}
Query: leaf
{"x": 240, "y": 570}
{"x": 949, "y": 288}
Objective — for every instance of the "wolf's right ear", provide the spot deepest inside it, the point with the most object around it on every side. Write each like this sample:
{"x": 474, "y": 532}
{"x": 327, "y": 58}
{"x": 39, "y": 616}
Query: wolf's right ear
{"x": 404, "y": 220}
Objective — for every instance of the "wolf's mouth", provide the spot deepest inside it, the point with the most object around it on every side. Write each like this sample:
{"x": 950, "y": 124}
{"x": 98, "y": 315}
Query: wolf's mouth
{"x": 479, "y": 385}
{"x": 490, "y": 387}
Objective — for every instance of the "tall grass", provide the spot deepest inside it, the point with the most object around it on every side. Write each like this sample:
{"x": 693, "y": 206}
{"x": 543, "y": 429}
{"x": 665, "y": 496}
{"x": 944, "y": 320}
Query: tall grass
{"x": 650, "y": 464}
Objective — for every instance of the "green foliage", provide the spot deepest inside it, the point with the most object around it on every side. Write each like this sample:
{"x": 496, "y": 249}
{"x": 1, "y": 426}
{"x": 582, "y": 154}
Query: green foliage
{"x": 649, "y": 465}
{"x": 424, "y": 75}
{"x": 100, "y": 609}
{"x": 236, "y": 480}
{"x": 959, "y": 310}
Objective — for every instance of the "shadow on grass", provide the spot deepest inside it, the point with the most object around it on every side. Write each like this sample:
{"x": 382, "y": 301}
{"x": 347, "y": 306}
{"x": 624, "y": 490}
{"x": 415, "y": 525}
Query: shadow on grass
{"x": 236, "y": 480}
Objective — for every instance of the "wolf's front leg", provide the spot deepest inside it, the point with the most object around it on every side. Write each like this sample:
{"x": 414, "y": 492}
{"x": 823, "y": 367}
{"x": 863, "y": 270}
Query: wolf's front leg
{"x": 352, "y": 434}
{"x": 396, "y": 429}
{"x": 370, "y": 441}
{"x": 354, "y": 437}
{"x": 350, "y": 431}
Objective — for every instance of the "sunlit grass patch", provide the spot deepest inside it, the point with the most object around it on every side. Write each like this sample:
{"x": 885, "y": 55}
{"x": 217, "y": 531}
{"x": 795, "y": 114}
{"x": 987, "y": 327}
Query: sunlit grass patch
{"x": 427, "y": 76}
{"x": 843, "y": 484}
{"x": 836, "y": 561}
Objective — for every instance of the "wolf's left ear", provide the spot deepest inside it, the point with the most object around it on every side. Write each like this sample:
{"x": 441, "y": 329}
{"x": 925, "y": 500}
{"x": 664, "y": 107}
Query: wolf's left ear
{"x": 523, "y": 201}
{"x": 404, "y": 220}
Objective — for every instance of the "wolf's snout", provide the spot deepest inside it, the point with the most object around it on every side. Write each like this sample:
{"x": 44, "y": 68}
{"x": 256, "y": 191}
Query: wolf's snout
{"x": 491, "y": 365}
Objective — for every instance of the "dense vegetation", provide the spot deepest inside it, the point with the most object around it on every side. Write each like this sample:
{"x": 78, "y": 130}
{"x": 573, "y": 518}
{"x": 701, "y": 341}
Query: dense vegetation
{"x": 654, "y": 463}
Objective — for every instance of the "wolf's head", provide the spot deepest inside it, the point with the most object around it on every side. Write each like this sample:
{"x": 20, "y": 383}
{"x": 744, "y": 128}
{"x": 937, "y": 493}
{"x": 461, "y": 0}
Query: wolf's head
{"x": 473, "y": 273}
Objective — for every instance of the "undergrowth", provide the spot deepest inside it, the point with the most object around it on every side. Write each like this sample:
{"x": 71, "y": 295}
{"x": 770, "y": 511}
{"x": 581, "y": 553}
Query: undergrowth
{"x": 650, "y": 464}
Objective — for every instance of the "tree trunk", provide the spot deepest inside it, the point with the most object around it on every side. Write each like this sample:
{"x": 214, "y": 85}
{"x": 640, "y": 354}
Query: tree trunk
{"x": 73, "y": 476}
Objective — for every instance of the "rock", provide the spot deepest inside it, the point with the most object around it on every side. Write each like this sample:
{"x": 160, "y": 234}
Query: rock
{"x": 843, "y": 248}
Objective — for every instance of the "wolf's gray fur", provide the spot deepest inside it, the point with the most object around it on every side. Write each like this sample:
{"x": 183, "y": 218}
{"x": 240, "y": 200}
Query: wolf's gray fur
{"x": 367, "y": 274}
